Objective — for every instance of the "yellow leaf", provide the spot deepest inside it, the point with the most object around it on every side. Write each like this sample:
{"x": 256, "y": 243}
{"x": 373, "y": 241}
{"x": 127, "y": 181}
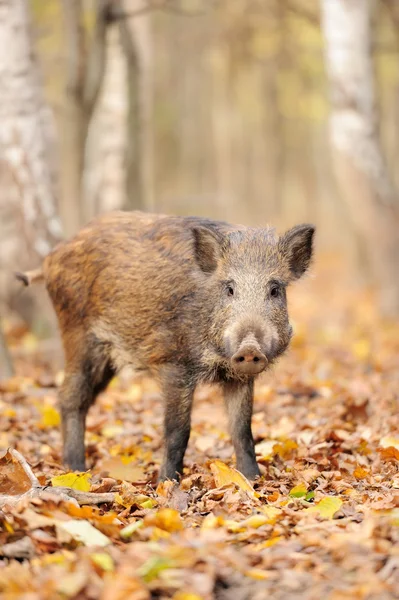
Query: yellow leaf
{"x": 166, "y": 519}
{"x": 103, "y": 560}
{"x": 9, "y": 412}
{"x": 234, "y": 526}
{"x": 255, "y": 521}
{"x": 258, "y": 574}
{"x": 388, "y": 441}
{"x": 212, "y": 522}
{"x": 285, "y": 448}
{"x": 327, "y": 507}
{"x": 361, "y": 349}
{"x": 50, "y": 416}
{"x": 299, "y": 491}
{"x": 225, "y": 475}
{"x": 271, "y": 512}
{"x": 76, "y": 481}
{"x": 128, "y": 531}
{"x": 186, "y": 596}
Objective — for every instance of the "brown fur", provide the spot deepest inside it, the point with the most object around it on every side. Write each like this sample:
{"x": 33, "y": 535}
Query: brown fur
{"x": 150, "y": 291}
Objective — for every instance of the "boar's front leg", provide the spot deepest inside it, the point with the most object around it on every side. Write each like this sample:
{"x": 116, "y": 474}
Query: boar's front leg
{"x": 84, "y": 380}
{"x": 178, "y": 394}
{"x": 239, "y": 402}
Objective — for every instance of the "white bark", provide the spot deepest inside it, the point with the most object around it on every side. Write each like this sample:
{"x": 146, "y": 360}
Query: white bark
{"x": 136, "y": 36}
{"x": 27, "y": 136}
{"x": 105, "y": 164}
{"x": 358, "y": 158}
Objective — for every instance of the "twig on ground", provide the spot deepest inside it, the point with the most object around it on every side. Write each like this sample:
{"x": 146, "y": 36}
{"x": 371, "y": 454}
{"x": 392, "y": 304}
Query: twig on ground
{"x": 67, "y": 494}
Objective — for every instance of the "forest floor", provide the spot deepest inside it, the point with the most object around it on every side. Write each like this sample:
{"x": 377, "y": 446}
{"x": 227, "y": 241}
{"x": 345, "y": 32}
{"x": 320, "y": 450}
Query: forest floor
{"x": 322, "y": 522}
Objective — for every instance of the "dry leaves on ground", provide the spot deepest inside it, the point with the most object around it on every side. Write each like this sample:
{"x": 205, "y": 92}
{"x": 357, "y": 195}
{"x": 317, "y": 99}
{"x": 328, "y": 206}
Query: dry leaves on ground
{"x": 322, "y": 522}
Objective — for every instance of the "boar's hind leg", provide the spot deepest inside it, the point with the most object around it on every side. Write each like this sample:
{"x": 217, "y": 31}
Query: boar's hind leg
{"x": 239, "y": 401}
{"x": 84, "y": 380}
{"x": 178, "y": 397}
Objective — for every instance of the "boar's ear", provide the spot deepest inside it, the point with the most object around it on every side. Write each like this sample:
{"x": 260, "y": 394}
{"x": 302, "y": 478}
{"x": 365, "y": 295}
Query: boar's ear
{"x": 207, "y": 247}
{"x": 296, "y": 246}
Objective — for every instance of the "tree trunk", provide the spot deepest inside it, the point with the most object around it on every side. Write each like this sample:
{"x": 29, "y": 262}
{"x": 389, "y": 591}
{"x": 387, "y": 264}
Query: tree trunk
{"x": 85, "y": 70}
{"x": 6, "y": 366}
{"x": 358, "y": 158}
{"x": 27, "y": 137}
{"x": 105, "y": 162}
{"x": 136, "y": 37}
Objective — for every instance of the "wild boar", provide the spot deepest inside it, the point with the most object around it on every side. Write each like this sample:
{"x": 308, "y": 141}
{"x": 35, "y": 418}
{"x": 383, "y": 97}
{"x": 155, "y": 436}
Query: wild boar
{"x": 185, "y": 299}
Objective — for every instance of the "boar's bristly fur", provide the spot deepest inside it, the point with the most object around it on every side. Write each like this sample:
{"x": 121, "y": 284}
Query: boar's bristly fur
{"x": 187, "y": 300}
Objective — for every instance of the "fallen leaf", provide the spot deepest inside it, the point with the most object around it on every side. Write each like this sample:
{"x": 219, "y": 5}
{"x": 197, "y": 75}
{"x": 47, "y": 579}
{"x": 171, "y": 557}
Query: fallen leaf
{"x": 224, "y": 475}
{"x": 84, "y": 532}
{"x": 167, "y": 519}
{"x": 127, "y": 532}
{"x": 299, "y": 491}
{"x": 327, "y": 507}
{"x": 389, "y": 453}
{"x": 264, "y": 450}
{"x": 76, "y": 481}
{"x": 360, "y": 472}
{"x": 389, "y": 441}
{"x": 117, "y": 468}
{"x": 103, "y": 560}
{"x": 153, "y": 567}
{"x": 13, "y": 479}
{"x": 204, "y": 442}
{"x": 50, "y": 416}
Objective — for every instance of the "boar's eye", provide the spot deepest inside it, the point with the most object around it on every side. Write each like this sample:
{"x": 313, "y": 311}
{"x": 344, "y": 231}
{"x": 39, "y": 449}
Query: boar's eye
{"x": 229, "y": 289}
{"x": 275, "y": 290}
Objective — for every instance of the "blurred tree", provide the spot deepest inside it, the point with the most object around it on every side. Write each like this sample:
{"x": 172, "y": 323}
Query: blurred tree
{"x": 95, "y": 100}
{"x": 6, "y": 366}
{"x": 29, "y": 223}
{"x": 105, "y": 154}
{"x": 136, "y": 37}
{"x": 85, "y": 56}
{"x": 358, "y": 157}
{"x": 27, "y": 136}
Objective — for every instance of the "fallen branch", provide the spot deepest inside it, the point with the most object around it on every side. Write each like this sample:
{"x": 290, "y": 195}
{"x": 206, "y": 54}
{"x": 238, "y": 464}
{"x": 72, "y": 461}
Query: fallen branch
{"x": 67, "y": 494}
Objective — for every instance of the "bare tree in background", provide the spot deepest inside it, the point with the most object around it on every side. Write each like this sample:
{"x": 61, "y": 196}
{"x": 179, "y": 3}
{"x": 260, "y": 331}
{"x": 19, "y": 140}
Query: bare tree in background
{"x": 85, "y": 55}
{"x": 90, "y": 56}
{"x": 29, "y": 225}
{"x": 6, "y": 366}
{"x": 358, "y": 158}
{"x": 105, "y": 156}
{"x": 27, "y": 135}
{"x": 136, "y": 39}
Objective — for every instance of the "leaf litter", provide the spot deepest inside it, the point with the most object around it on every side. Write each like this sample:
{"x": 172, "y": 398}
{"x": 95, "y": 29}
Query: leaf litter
{"x": 322, "y": 521}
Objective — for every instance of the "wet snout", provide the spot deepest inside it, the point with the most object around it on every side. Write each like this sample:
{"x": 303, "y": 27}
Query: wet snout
{"x": 249, "y": 359}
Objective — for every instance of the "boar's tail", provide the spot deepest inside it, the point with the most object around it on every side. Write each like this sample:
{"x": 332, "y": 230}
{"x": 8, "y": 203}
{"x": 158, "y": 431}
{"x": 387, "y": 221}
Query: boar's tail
{"x": 30, "y": 276}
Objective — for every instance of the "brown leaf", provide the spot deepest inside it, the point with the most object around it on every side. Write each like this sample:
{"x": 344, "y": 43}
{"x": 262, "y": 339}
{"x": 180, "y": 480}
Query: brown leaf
{"x": 13, "y": 479}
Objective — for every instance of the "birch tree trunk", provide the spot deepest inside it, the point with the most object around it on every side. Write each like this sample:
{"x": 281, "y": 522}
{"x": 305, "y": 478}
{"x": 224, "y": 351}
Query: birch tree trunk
{"x": 136, "y": 37}
{"x": 358, "y": 158}
{"x": 28, "y": 177}
{"x": 105, "y": 175}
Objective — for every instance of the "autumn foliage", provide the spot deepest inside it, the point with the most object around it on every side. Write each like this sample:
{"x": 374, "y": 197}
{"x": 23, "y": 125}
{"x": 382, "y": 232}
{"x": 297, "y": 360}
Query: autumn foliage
{"x": 322, "y": 522}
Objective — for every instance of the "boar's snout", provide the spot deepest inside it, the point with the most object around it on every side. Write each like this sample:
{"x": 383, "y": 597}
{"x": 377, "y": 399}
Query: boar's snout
{"x": 249, "y": 359}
